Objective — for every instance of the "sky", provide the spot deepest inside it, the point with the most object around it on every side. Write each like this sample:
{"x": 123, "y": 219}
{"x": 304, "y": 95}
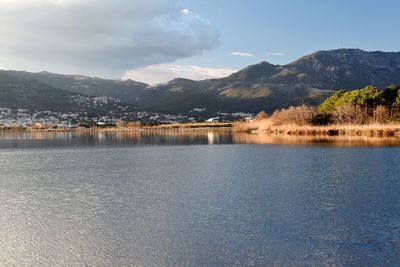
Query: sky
{"x": 155, "y": 41}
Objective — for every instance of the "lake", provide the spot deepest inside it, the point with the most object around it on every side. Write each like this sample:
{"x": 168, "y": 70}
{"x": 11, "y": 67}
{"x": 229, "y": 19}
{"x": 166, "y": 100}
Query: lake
{"x": 198, "y": 199}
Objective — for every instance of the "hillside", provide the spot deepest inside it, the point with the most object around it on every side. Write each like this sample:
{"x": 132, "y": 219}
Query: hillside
{"x": 126, "y": 90}
{"x": 263, "y": 86}
{"x": 34, "y": 95}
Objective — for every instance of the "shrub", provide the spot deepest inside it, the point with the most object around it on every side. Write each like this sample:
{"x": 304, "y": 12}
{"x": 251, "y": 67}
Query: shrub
{"x": 302, "y": 115}
{"x": 261, "y": 116}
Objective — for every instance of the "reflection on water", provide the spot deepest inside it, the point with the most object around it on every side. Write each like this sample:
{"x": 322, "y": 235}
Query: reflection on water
{"x": 244, "y": 138}
{"x": 178, "y": 137}
{"x": 100, "y": 138}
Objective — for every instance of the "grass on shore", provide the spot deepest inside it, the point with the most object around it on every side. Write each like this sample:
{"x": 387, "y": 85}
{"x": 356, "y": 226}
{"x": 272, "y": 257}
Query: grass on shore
{"x": 178, "y": 126}
{"x": 370, "y": 130}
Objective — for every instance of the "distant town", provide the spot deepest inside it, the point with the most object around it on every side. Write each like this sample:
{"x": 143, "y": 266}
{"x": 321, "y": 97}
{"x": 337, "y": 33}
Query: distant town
{"x": 26, "y": 118}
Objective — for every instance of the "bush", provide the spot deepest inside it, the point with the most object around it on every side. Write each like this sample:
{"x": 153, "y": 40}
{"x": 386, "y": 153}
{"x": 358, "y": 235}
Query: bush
{"x": 302, "y": 115}
{"x": 261, "y": 116}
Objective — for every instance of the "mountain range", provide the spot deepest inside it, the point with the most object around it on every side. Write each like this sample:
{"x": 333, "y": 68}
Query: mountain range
{"x": 33, "y": 95}
{"x": 263, "y": 86}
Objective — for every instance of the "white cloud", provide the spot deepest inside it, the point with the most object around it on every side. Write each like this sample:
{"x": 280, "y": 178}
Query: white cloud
{"x": 99, "y": 36}
{"x": 275, "y": 54}
{"x": 241, "y": 54}
{"x": 165, "y": 72}
{"x": 185, "y": 11}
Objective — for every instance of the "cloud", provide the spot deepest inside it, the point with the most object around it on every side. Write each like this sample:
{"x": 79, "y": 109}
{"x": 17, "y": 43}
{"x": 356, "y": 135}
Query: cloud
{"x": 185, "y": 11}
{"x": 99, "y": 36}
{"x": 164, "y": 72}
{"x": 275, "y": 54}
{"x": 241, "y": 54}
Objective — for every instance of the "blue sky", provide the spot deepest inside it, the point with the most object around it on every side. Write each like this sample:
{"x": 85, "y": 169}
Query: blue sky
{"x": 157, "y": 40}
{"x": 296, "y": 28}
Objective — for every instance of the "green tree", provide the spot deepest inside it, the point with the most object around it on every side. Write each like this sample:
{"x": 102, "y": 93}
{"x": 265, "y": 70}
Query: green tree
{"x": 369, "y": 97}
{"x": 349, "y": 98}
{"x": 330, "y": 104}
{"x": 389, "y": 95}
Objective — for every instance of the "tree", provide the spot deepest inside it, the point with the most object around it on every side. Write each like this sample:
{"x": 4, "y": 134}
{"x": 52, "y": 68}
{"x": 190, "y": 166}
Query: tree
{"x": 389, "y": 95}
{"x": 330, "y": 104}
{"x": 381, "y": 114}
{"x": 358, "y": 105}
{"x": 344, "y": 114}
{"x": 350, "y": 114}
{"x": 369, "y": 97}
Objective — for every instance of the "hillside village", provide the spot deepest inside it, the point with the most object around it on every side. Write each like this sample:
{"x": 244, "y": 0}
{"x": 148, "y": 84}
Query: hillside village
{"x": 24, "y": 118}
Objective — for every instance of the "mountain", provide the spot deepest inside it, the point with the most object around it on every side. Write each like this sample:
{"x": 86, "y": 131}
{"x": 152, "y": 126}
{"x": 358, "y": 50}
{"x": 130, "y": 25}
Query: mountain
{"x": 263, "y": 86}
{"x": 34, "y": 95}
{"x": 126, "y": 90}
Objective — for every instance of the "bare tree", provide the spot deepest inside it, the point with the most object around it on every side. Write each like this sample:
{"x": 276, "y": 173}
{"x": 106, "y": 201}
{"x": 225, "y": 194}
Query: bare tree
{"x": 350, "y": 114}
{"x": 302, "y": 115}
{"x": 381, "y": 114}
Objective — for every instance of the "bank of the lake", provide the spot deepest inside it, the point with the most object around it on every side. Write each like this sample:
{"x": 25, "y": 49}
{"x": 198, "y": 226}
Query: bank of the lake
{"x": 177, "y": 126}
{"x": 257, "y": 127}
{"x": 369, "y": 130}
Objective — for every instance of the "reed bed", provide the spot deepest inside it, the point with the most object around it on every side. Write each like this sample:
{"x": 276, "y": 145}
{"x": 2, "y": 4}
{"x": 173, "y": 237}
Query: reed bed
{"x": 163, "y": 127}
{"x": 369, "y": 130}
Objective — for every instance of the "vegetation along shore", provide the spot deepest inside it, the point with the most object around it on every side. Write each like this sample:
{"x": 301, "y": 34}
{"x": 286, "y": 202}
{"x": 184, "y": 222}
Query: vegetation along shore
{"x": 365, "y": 112}
{"x": 369, "y": 111}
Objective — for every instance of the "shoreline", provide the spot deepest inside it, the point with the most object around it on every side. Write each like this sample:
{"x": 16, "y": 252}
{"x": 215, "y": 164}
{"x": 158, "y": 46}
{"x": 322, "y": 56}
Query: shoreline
{"x": 165, "y": 127}
{"x": 332, "y": 130}
{"x": 377, "y": 130}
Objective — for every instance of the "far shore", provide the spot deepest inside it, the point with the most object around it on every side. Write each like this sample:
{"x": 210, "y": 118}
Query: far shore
{"x": 372, "y": 130}
{"x": 163, "y": 127}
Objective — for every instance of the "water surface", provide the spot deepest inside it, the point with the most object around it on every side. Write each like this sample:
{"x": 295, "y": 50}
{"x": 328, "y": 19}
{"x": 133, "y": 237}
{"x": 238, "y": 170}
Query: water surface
{"x": 175, "y": 200}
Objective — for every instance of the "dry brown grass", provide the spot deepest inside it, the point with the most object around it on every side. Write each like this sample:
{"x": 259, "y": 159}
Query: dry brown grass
{"x": 127, "y": 127}
{"x": 194, "y": 125}
{"x": 372, "y": 130}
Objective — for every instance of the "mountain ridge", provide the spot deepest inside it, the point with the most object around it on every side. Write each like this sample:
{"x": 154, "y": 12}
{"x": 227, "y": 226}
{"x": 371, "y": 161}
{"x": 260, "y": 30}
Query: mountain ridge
{"x": 262, "y": 86}
{"x": 33, "y": 95}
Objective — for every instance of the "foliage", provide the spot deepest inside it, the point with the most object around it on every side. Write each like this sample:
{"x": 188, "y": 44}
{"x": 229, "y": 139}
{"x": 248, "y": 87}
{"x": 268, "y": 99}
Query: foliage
{"x": 389, "y": 95}
{"x": 368, "y": 97}
{"x": 366, "y": 105}
{"x": 329, "y": 105}
{"x": 363, "y": 105}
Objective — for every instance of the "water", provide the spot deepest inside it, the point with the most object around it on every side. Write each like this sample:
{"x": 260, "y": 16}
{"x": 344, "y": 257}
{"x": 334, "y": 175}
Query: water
{"x": 172, "y": 200}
